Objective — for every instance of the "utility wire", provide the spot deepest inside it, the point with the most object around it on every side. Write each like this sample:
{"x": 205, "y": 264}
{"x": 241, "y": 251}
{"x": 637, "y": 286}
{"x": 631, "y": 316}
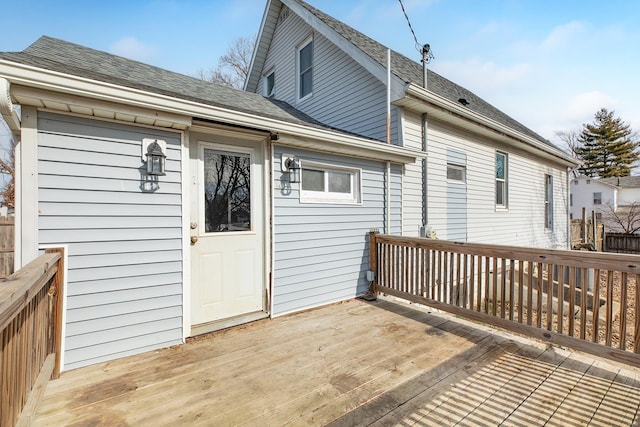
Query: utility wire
{"x": 425, "y": 50}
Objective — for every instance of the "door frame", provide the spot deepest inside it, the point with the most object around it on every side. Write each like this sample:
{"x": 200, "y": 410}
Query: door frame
{"x": 219, "y": 134}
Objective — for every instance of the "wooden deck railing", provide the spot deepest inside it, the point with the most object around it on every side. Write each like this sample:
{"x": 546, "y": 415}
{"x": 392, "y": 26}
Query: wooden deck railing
{"x": 585, "y": 300}
{"x": 30, "y": 321}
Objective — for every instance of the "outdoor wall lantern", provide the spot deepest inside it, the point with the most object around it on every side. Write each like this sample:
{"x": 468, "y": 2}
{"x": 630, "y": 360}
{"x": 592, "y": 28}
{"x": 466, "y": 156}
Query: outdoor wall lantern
{"x": 153, "y": 154}
{"x": 291, "y": 165}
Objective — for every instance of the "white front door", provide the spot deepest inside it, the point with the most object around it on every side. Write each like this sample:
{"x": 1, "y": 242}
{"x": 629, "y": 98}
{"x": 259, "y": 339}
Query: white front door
{"x": 227, "y": 234}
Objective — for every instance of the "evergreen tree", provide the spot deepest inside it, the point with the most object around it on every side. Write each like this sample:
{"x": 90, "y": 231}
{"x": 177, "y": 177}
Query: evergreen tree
{"x": 607, "y": 146}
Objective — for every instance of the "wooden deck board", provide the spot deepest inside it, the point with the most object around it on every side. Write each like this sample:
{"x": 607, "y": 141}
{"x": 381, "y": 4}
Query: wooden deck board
{"x": 355, "y": 363}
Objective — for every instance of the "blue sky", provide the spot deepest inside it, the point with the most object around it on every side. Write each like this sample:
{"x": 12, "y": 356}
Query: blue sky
{"x": 549, "y": 64}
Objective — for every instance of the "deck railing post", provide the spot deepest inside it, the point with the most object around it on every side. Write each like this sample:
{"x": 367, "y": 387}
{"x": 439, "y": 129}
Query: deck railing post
{"x": 373, "y": 260}
{"x": 56, "y": 316}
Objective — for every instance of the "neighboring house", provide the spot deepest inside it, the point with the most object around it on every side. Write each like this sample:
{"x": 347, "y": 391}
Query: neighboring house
{"x": 222, "y": 238}
{"x": 602, "y": 196}
{"x": 487, "y": 178}
{"x": 593, "y": 195}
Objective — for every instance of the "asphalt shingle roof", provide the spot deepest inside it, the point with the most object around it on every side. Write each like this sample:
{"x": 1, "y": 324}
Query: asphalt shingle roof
{"x": 411, "y": 72}
{"x": 623, "y": 181}
{"x": 61, "y": 56}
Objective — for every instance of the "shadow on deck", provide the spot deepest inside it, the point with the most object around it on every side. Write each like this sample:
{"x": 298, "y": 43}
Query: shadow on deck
{"x": 354, "y": 363}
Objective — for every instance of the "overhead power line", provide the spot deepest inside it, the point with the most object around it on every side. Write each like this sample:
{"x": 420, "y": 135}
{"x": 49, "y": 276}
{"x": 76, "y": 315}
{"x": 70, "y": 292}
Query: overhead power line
{"x": 425, "y": 50}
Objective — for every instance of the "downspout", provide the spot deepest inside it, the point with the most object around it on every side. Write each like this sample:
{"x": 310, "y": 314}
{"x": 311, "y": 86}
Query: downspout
{"x": 7, "y": 110}
{"x": 568, "y": 219}
{"x": 387, "y": 197}
{"x": 425, "y": 211}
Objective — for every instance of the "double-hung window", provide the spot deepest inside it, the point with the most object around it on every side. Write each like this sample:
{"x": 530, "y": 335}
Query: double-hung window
{"x": 329, "y": 184}
{"x": 305, "y": 69}
{"x": 597, "y": 198}
{"x": 548, "y": 202}
{"x": 501, "y": 180}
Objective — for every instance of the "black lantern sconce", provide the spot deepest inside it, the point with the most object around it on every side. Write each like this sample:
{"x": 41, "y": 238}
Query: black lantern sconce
{"x": 291, "y": 165}
{"x": 153, "y": 154}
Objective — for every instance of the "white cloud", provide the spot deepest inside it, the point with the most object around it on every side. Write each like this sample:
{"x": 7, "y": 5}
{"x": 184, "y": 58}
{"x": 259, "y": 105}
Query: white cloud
{"x": 562, "y": 34}
{"x": 488, "y": 75}
{"x": 583, "y": 106}
{"x": 132, "y": 48}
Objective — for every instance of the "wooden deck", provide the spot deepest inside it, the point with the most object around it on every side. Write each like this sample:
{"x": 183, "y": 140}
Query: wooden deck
{"x": 355, "y": 363}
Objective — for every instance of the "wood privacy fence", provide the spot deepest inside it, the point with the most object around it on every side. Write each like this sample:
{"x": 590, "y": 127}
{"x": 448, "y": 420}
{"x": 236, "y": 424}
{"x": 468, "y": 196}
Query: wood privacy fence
{"x": 583, "y": 236}
{"x": 6, "y": 245}
{"x": 30, "y": 327}
{"x": 589, "y": 301}
{"x": 622, "y": 243}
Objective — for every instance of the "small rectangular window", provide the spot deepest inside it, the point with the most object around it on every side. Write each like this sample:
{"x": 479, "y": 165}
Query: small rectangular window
{"x": 270, "y": 84}
{"x": 328, "y": 184}
{"x": 305, "y": 69}
{"x": 548, "y": 202}
{"x": 501, "y": 179}
{"x": 456, "y": 173}
{"x": 597, "y": 198}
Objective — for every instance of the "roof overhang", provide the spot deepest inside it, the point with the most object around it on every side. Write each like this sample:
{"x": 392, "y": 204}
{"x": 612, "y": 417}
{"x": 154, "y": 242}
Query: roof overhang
{"x": 422, "y": 100}
{"x": 79, "y": 95}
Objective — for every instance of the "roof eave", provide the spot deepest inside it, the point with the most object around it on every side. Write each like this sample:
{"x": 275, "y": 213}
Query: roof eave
{"x": 182, "y": 111}
{"x": 429, "y": 102}
{"x": 265, "y": 34}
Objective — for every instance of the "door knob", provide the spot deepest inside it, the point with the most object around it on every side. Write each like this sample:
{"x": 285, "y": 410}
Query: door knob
{"x": 194, "y": 239}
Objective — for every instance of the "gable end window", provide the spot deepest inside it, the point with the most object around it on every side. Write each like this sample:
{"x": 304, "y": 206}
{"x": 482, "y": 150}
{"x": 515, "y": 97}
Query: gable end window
{"x": 305, "y": 69}
{"x": 329, "y": 184}
{"x": 270, "y": 84}
{"x": 501, "y": 180}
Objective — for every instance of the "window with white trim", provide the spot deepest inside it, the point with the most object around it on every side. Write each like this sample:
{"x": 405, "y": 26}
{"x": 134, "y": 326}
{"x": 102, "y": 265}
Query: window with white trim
{"x": 329, "y": 184}
{"x": 548, "y": 202}
{"x": 270, "y": 84}
{"x": 501, "y": 179}
{"x": 305, "y": 68}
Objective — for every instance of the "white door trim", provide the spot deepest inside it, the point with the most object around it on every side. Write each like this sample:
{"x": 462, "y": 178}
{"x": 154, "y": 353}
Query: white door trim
{"x": 191, "y": 140}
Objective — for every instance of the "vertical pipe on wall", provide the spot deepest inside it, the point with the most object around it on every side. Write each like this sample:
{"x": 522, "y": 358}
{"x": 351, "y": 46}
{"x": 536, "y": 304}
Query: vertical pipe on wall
{"x": 568, "y": 216}
{"x": 388, "y": 96}
{"x": 387, "y": 194}
{"x": 387, "y": 199}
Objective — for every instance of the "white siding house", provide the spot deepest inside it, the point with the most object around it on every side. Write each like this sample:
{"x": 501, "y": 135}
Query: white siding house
{"x": 603, "y": 196}
{"x": 226, "y": 234}
{"x": 455, "y": 192}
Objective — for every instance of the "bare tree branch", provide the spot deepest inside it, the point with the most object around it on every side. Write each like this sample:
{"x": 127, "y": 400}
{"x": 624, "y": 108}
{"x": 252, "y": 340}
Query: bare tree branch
{"x": 625, "y": 217}
{"x": 233, "y": 67}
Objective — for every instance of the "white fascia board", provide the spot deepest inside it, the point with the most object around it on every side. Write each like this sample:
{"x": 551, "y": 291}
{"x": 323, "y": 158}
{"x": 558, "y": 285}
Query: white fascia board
{"x": 28, "y": 76}
{"x": 367, "y": 149}
{"x": 372, "y": 66}
{"x": 251, "y": 83}
{"x": 439, "y": 101}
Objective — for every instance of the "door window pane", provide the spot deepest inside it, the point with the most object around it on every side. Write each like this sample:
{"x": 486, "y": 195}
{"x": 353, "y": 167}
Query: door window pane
{"x": 227, "y": 191}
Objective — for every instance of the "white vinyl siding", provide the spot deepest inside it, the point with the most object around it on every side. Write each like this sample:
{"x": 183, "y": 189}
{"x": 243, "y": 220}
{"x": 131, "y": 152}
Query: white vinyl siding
{"x": 321, "y": 250}
{"x": 412, "y": 180}
{"x": 124, "y": 293}
{"x": 523, "y": 223}
{"x": 345, "y": 95}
